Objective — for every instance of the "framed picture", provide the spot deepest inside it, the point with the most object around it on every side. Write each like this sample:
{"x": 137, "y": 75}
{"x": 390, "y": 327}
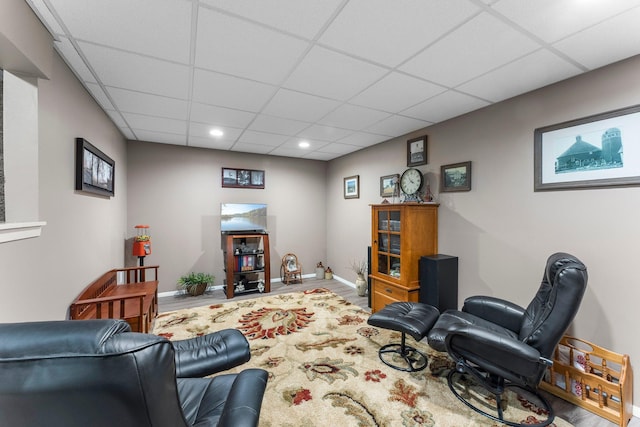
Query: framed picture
{"x": 352, "y": 187}
{"x": 95, "y": 171}
{"x": 593, "y": 152}
{"x": 455, "y": 177}
{"x": 388, "y": 184}
{"x": 242, "y": 178}
{"x": 417, "y": 151}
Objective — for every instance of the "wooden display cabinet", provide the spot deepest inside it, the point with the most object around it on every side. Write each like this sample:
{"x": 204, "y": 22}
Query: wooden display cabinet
{"x": 400, "y": 235}
{"x": 247, "y": 264}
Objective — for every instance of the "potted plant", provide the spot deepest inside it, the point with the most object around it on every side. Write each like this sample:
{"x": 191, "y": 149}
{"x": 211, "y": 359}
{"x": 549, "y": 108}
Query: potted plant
{"x": 195, "y": 283}
{"x": 360, "y": 268}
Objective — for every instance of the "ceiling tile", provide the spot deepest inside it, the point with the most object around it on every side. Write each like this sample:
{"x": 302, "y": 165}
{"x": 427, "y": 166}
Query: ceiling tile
{"x": 353, "y": 117}
{"x": 203, "y": 142}
{"x": 221, "y": 116}
{"x": 387, "y": 33}
{"x": 200, "y": 130}
{"x": 251, "y": 148}
{"x": 73, "y": 59}
{"x": 336, "y": 148}
{"x": 397, "y": 125}
{"x": 445, "y": 106}
{"x": 552, "y": 20}
{"x": 304, "y": 18}
{"x": 593, "y": 48}
{"x": 129, "y": 71}
{"x": 363, "y": 139}
{"x": 396, "y": 92}
{"x": 159, "y": 124}
{"x": 228, "y": 91}
{"x": 277, "y": 125}
{"x": 99, "y": 95}
{"x": 117, "y": 119}
{"x": 299, "y": 106}
{"x": 332, "y": 75}
{"x": 144, "y": 103}
{"x": 531, "y": 72}
{"x": 238, "y": 47}
{"x": 317, "y": 155}
{"x": 262, "y": 138}
{"x": 480, "y": 45}
{"x": 324, "y": 133}
{"x": 161, "y": 137}
{"x": 131, "y": 25}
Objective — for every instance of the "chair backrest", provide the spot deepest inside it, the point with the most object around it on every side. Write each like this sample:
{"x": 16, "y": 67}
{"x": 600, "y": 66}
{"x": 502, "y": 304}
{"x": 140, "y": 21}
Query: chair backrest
{"x": 93, "y": 372}
{"x": 290, "y": 262}
{"x": 555, "y": 304}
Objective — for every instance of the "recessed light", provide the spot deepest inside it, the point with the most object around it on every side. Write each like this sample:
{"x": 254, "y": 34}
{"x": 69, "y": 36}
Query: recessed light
{"x": 216, "y": 132}
{"x": 303, "y": 144}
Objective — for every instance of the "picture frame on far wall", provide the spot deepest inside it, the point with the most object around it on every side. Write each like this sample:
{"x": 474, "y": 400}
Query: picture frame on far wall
{"x": 95, "y": 171}
{"x": 351, "y": 187}
{"x": 597, "y": 151}
{"x": 388, "y": 184}
{"x": 417, "y": 151}
{"x": 455, "y": 177}
{"x": 242, "y": 178}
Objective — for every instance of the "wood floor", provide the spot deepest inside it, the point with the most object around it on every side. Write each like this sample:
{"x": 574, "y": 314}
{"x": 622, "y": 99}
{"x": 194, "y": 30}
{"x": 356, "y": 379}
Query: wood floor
{"x": 576, "y": 416}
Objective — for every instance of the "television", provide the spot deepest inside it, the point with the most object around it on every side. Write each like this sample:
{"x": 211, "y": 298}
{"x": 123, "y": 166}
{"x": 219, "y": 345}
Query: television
{"x": 243, "y": 217}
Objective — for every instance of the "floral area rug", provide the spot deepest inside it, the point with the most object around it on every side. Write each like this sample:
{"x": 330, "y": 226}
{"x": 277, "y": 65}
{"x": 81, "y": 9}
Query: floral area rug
{"x": 324, "y": 370}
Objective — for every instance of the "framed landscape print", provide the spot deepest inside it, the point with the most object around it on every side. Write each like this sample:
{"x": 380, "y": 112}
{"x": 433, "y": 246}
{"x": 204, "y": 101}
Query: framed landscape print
{"x": 242, "y": 178}
{"x": 351, "y": 187}
{"x": 592, "y": 152}
{"x": 95, "y": 171}
{"x": 388, "y": 184}
{"x": 455, "y": 177}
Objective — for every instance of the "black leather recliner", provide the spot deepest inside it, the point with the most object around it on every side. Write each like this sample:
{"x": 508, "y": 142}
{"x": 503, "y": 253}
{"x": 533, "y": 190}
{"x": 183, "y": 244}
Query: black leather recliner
{"x": 97, "y": 373}
{"x": 500, "y": 344}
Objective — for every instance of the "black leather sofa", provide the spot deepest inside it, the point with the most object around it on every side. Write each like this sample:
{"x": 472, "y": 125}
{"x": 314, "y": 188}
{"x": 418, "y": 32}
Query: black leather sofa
{"x": 97, "y": 373}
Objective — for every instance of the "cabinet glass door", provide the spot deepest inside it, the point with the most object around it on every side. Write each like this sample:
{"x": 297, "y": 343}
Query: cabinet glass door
{"x": 389, "y": 242}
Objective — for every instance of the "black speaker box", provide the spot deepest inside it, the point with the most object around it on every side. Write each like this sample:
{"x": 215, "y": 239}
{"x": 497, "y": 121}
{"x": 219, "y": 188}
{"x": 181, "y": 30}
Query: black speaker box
{"x": 438, "y": 275}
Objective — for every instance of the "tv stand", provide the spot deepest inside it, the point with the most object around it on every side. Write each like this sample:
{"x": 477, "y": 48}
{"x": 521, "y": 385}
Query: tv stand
{"x": 247, "y": 263}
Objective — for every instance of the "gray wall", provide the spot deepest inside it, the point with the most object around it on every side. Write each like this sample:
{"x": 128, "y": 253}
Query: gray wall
{"x": 84, "y": 234}
{"x": 502, "y": 230}
{"x": 177, "y": 191}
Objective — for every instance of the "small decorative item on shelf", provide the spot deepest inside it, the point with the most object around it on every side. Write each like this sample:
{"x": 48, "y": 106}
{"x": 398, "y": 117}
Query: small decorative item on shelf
{"x": 319, "y": 271}
{"x": 195, "y": 283}
{"x": 260, "y": 286}
{"x": 360, "y": 268}
{"x": 328, "y": 273}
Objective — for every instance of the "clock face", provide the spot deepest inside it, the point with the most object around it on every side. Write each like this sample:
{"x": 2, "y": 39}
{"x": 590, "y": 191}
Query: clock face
{"x": 411, "y": 181}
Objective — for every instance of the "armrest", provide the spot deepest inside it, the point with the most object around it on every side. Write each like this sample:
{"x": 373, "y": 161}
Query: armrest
{"x": 495, "y": 310}
{"x": 480, "y": 345}
{"x": 211, "y": 353}
{"x": 242, "y": 408}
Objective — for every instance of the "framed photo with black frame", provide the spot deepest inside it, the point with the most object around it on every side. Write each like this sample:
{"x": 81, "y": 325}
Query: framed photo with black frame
{"x": 242, "y": 178}
{"x": 95, "y": 171}
{"x": 597, "y": 151}
{"x": 455, "y": 177}
{"x": 417, "y": 151}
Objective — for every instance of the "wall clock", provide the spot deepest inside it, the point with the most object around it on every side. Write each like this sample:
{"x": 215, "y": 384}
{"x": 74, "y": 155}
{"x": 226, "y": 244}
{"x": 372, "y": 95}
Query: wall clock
{"x": 410, "y": 184}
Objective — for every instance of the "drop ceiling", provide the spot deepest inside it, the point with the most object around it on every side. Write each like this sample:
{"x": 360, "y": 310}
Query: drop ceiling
{"x": 341, "y": 75}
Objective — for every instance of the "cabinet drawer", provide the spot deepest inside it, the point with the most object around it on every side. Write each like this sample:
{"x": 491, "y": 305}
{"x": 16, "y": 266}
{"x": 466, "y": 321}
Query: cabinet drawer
{"x": 384, "y": 293}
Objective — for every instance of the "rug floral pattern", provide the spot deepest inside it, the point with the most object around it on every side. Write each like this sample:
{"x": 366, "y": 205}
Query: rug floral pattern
{"x": 324, "y": 370}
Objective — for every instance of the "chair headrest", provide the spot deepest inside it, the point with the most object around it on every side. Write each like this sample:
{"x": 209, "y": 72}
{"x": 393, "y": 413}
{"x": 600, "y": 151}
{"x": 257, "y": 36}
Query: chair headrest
{"x": 558, "y": 262}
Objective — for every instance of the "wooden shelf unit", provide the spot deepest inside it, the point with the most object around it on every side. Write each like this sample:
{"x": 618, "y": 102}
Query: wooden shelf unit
{"x": 400, "y": 235}
{"x": 247, "y": 263}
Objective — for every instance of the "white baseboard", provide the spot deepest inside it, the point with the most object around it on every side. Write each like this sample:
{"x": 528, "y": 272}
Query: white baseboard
{"x": 273, "y": 280}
